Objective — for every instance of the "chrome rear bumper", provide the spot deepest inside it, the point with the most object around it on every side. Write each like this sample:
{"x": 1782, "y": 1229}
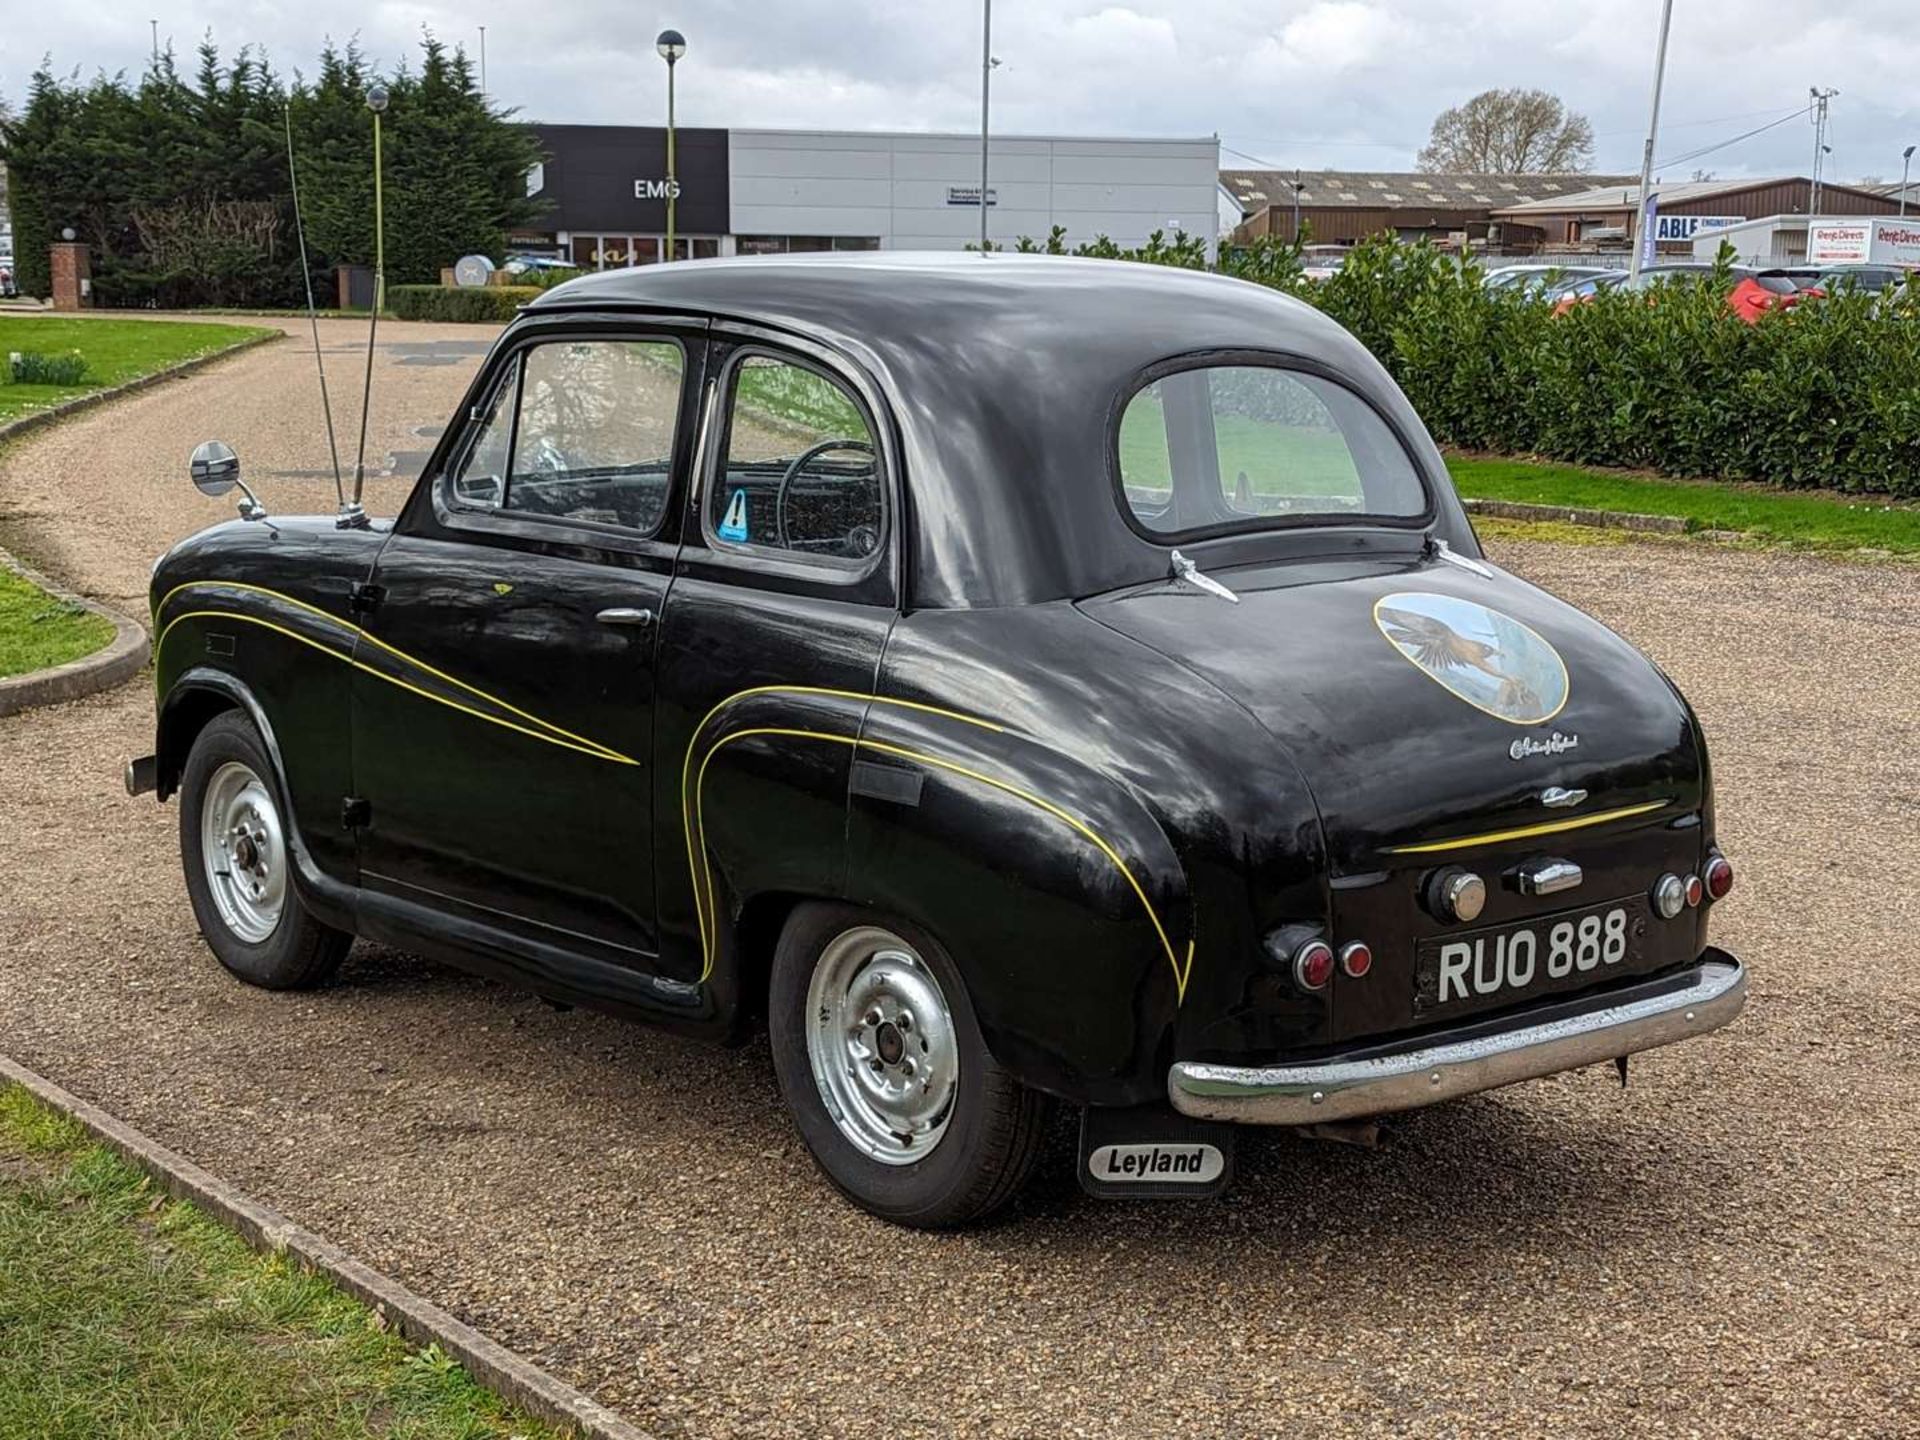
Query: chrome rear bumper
{"x": 1477, "y": 1057}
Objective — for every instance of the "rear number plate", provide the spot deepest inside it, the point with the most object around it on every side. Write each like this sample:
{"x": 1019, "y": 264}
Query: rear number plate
{"x": 1482, "y": 969}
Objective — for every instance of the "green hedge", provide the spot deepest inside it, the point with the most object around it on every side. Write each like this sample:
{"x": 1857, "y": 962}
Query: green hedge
{"x": 1825, "y": 394}
{"x": 479, "y": 304}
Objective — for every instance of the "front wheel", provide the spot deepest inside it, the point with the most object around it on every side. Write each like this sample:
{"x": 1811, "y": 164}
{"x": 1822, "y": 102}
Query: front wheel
{"x": 881, "y": 1062}
{"x": 239, "y": 864}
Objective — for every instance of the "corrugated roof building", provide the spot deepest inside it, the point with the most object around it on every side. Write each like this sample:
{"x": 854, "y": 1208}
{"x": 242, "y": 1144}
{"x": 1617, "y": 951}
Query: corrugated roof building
{"x": 1343, "y": 207}
{"x": 1604, "y": 216}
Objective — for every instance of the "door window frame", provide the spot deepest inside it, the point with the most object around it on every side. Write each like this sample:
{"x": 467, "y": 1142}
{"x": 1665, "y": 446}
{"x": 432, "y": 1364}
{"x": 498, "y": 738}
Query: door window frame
{"x": 876, "y": 580}
{"x": 433, "y": 505}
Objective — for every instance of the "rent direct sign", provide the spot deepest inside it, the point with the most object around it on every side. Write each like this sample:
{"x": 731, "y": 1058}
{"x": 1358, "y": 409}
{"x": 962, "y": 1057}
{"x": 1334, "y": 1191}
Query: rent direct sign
{"x": 1896, "y": 242}
{"x": 1840, "y": 244}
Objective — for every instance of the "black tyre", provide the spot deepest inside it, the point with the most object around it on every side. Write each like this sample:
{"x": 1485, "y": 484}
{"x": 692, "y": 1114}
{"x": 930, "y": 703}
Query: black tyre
{"x": 881, "y": 1062}
{"x": 239, "y": 866}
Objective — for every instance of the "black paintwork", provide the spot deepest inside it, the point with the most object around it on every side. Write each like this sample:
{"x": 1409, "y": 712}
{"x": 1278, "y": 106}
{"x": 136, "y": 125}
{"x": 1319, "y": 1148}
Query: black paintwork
{"x": 1104, "y": 790}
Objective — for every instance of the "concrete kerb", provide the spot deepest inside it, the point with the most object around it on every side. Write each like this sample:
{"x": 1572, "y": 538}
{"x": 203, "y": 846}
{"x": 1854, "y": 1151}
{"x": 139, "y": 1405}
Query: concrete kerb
{"x": 1574, "y": 515}
{"x": 266, "y": 1230}
{"x": 117, "y": 662}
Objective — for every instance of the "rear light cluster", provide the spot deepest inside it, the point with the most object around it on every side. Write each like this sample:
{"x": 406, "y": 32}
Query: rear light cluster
{"x": 1673, "y": 894}
{"x": 1314, "y": 963}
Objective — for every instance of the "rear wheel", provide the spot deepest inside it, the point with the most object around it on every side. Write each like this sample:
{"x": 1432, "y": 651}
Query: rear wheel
{"x": 882, "y": 1064}
{"x": 239, "y": 864}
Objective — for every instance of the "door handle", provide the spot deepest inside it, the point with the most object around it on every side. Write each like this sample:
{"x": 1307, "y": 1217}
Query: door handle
{"x": 625, "y": 615}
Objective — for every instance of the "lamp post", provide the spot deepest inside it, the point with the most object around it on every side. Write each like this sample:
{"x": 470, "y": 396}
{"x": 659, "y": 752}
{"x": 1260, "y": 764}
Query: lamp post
{"x": 1906, "y": 164}
{"x": 1642, "y": 244}
{"x": 671, "y": 45}
{"x": 986, "y": 83}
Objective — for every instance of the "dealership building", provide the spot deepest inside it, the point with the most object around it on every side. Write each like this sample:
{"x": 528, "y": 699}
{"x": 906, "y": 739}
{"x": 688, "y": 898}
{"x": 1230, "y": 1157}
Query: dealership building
{"x": 759, "y": 192}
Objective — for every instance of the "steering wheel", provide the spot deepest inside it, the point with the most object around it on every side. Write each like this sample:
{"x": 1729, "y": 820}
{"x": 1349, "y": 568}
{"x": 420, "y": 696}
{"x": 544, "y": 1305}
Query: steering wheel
{"x": 812, "y": 452}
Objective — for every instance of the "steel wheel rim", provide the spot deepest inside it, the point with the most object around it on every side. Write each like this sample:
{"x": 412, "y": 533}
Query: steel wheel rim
{"x": 243, "y": 851}
{"x": 882, "y": 1045}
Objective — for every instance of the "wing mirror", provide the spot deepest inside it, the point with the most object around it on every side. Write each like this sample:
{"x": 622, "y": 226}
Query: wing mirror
{"x": 216, "y": 471}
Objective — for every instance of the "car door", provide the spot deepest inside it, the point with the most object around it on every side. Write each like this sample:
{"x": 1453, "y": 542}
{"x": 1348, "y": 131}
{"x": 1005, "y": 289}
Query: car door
{"x": 787, "y": 588}
{"x": 503, "y": 693}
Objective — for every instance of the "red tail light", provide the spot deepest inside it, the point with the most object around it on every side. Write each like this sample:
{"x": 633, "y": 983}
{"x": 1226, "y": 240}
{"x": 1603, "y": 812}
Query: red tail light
{"x": 1356, "y": 959}
{"x": 1718, "y": 876}
{"x": 1313, "y": 965}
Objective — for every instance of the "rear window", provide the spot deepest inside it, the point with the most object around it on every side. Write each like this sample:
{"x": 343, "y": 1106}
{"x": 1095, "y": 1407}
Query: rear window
{"x": 1245, "y": 446}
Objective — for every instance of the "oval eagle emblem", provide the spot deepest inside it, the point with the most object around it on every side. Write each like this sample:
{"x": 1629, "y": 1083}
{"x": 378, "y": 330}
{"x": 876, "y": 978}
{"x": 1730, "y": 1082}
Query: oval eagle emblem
{"x": 1487, "y": 659}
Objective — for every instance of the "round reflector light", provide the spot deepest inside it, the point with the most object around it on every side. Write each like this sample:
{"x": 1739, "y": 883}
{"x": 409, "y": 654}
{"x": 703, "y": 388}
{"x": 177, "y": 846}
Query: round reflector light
{"x": 1669, "y": 896}
{"x": 1356, "y": 959}
{"x": 1719, "y": 877}
{"x": 1313, "y": 965}
{"x": 1694, "y": 889}
{"x": 1465, "y": 895}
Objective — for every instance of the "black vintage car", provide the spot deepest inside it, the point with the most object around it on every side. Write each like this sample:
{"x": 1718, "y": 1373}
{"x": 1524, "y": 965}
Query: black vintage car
{"x": 1013, "y": 680}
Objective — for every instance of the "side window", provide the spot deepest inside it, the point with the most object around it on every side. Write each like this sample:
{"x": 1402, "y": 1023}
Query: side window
{"x": 801, "y": 473}
{"x": 592, "y": 438}
{"x": 481, "y": 480}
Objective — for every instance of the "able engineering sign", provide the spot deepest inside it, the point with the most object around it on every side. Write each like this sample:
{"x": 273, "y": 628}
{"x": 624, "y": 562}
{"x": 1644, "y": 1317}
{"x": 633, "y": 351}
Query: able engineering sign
{"x": 1678, "y": 228}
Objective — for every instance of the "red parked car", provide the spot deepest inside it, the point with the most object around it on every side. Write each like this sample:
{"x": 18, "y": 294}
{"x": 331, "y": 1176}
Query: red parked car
{"x": 1754, "y": 291}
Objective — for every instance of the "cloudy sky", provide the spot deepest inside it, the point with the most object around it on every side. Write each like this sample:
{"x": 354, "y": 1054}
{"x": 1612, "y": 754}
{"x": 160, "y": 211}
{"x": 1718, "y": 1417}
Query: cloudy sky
{"x": 1352, "y": 84}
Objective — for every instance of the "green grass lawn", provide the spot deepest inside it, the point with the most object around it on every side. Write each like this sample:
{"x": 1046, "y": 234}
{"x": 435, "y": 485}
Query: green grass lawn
{"x": 115, "y": 351}
{"x": 123, "y": 1313}
{"x": 1811, "y": 519}
{"x": 38, "y": 630}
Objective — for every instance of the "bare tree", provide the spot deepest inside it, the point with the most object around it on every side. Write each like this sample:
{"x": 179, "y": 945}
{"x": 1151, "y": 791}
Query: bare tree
{"x": 1510, "y": 132}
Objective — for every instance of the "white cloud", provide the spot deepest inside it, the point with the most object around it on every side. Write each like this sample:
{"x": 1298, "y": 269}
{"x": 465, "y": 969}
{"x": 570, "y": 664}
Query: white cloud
{"x": 1346, "y": 83}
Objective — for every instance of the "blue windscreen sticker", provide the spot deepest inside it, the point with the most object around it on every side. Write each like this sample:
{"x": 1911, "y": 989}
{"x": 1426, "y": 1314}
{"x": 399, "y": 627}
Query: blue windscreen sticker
{"x": 734, "y": 526}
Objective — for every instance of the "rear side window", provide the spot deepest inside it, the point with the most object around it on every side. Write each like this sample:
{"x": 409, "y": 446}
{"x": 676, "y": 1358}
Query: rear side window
{"x": 801, "y": 473}
{"x": 1245, "y": 446}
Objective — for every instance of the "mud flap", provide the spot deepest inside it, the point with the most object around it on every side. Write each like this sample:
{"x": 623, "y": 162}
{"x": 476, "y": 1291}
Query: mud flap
{"x": 1150, "y": 1152}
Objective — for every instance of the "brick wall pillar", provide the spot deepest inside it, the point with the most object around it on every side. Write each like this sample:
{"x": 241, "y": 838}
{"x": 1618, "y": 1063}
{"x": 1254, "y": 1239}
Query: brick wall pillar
{"x": 72, "y": 276}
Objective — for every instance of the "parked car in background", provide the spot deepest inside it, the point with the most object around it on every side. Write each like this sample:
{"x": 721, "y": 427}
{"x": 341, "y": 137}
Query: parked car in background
{"x": 522, "y": 264}
{"x": 1868, "y": 279}
{"x": 727, "y": 667}
{"x": 1754, "y": 292}
{"x": 1569, "y": 293}
{"x": 1543, "y": 279}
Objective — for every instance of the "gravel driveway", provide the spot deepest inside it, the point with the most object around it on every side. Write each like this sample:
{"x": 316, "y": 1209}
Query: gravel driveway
{"x": 1730, "y": 1246}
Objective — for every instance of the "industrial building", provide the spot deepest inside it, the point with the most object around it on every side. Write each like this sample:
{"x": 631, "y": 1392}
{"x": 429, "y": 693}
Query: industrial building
{"x": 1344, "y": 207}
{"x": 775, "y": 191}
{"x": 1606, "y": 216}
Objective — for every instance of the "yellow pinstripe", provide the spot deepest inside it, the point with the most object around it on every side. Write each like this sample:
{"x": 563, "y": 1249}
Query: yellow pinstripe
{"x": 1524, "y": 832}
{"x": 548, "y": 732}
{"x": 704, "y": 880}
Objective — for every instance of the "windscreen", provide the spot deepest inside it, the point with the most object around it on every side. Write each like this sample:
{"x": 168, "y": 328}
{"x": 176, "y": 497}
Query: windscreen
{"x": 1248, "y": 446}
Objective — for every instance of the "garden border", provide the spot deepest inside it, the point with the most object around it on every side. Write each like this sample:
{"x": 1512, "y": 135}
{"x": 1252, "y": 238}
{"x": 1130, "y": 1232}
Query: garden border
{"x": 114, "y": 663}
{"x": 268, "y": 1231}
{"x": 33, "y": 420}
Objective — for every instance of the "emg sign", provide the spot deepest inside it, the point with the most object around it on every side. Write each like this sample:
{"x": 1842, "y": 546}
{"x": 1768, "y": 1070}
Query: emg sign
{"x": 1684, "y": 227}
{"x": 656, "y": 189}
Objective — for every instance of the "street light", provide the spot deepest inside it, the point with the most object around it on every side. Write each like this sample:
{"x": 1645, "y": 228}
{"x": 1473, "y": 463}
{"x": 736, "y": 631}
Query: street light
{"x": 1643, "y": 242}
{"x": 670, "y": 45}
{"x": 1906, "y": 164}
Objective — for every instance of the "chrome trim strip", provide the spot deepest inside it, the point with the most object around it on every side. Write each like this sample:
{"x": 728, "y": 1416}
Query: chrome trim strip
{"x": 1341, "y": 1089}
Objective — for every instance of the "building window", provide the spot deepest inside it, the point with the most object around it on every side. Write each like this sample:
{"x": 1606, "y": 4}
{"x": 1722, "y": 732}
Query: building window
{"x": 803, "y": 244}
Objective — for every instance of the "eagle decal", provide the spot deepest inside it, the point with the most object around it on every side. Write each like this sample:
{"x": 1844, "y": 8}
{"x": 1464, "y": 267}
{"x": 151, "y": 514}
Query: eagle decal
{"x": 1483, "y": 657}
